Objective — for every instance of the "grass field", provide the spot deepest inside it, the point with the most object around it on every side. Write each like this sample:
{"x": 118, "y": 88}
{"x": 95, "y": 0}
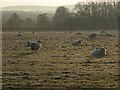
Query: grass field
{"x": 58, "y": 64}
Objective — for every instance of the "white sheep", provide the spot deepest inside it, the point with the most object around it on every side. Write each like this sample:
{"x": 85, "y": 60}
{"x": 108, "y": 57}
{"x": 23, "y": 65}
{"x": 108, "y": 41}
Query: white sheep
{"x": 29, "y": 43}
{"x": 98, "y": 52}
{"x": 19, "y": 34}
{"x": 92, "y": 36}
{"x": 35, "y": 45}
{"x": 76, "y": 42}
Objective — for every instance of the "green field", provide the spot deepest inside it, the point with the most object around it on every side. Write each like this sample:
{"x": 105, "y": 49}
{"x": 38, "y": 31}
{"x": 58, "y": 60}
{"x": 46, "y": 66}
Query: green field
{"x": 58, "y": 64}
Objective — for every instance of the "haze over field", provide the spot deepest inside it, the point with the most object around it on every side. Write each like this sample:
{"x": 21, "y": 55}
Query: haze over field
{"x": 34, "y": 8}
{"x": 6, "y": 3}
{"x": 80, "y": 16}
{"x": 40, "y": 2}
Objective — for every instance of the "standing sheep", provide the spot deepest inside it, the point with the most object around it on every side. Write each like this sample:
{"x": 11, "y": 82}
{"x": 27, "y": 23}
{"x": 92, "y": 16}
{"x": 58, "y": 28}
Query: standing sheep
{"x": 34, "y": 45}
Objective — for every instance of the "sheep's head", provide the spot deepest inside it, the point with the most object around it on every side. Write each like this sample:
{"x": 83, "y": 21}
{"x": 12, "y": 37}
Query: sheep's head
{"x": 103, "y": 50}
{"x": 79, "y": 41}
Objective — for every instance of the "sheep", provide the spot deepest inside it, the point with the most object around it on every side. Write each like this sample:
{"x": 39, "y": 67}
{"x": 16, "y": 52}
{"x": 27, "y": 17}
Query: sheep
{"x": 33, "y": 32}
{"x": 19, "y": 34}
{"x": 79, "y": 33}
{"x": 102, "y": 31}
{"x": 35, "y": 45}
{"x": 77, "y": 42}
{"x": 92, "y": 36}
{"x": 29, "y": 43}
{"x": 98, "y": 52}
{"x": 107, "y": 35}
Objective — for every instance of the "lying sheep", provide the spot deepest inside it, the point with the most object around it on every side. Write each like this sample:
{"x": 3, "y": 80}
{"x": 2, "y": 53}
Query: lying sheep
{"x": 92, "y": 36}
{"x": 77, "y": 42}
{"x": 107, "y": 35}
{"x": 79, "y": 33}
{"x": 19, "y": 34}
{"x": 98, "y": 52}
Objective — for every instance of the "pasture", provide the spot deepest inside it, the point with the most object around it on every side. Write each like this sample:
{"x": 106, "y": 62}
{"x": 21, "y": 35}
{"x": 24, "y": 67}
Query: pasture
{"x": 58, "y": 64}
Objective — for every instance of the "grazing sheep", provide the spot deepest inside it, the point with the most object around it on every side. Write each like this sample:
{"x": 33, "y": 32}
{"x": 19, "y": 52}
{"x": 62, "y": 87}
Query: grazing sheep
{"x": 76, "y": 42}
{"x": 92, "y": 36}
{"x": 35, "y": 45}
{"x": 98, "y": 52}
{"x": 29, "y": 43}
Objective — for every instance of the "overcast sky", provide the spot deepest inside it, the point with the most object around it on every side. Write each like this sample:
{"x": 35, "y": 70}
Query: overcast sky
{"x": 42, "y": 2}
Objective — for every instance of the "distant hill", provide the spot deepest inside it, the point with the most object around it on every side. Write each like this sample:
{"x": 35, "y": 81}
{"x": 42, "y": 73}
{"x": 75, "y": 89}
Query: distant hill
{"x": 35, "y": 8}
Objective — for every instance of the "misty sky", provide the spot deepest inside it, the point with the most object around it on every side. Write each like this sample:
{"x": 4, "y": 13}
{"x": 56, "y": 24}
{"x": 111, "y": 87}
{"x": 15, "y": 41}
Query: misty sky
{"x": 42, "y": 2}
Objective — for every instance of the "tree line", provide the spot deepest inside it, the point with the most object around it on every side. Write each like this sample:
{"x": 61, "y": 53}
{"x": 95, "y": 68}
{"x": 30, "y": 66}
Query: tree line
{"x": 84, "y": 16}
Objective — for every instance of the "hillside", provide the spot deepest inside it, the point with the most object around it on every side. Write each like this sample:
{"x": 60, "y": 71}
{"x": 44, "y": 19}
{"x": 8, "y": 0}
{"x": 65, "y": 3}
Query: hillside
{"x": 34, "y": 8}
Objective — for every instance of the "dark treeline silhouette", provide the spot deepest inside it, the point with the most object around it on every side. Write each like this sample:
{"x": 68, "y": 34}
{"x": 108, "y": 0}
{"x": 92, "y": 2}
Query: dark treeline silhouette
{"x": 84, "y": 16}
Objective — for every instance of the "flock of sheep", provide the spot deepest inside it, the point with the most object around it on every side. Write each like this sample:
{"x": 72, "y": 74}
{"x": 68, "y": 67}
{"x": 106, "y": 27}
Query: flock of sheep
{"x": 97, "y": 52}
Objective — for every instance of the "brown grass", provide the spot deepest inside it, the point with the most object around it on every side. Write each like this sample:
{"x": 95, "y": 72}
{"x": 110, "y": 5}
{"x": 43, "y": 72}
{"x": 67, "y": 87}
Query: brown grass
{"x": 58, "y": 64}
